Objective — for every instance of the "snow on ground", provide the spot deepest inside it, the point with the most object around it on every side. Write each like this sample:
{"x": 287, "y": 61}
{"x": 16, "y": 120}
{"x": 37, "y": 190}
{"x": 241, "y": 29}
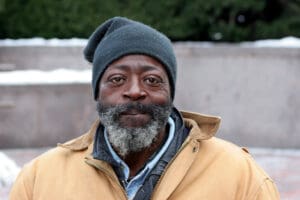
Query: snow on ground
{"x": 32, "y": 77}
{"x": 8, "y": 171}
{"x": 286, "y": 42}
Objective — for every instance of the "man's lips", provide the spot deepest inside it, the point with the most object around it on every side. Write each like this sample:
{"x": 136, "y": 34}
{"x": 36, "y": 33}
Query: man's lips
{"x": 133, "y": 112}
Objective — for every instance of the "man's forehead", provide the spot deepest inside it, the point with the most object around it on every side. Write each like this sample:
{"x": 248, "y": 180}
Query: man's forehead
{"x": 143, "y": 62}
{"x": 126, "y": 67}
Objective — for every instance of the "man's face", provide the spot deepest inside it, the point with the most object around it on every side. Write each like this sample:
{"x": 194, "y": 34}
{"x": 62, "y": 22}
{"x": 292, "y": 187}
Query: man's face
{"x": 134, "y": 101}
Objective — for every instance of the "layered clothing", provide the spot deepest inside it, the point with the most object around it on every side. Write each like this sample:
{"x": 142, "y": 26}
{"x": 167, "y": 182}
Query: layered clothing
{"x": 197, "y": 166}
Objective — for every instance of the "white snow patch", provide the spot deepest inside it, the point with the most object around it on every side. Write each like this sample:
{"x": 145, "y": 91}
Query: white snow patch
{"x": 43, "y": 42}
{"x": 32, "y": 77}
{"x": 8, "y": 171}
{"x": 286, "y": 42}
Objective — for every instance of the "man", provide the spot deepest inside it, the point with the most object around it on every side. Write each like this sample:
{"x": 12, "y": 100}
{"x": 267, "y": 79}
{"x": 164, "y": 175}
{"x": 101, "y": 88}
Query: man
{"x": 142, "y": 147}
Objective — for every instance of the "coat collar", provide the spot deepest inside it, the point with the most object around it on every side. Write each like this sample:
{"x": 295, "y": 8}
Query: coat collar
{"x": 202, "y": 127}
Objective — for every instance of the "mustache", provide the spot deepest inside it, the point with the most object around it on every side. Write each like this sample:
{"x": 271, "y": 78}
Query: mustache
{"x": 150, "y": 109}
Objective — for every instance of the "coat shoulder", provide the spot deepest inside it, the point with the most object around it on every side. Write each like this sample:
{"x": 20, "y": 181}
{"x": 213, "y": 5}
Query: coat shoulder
{"x": 237, "y": 164}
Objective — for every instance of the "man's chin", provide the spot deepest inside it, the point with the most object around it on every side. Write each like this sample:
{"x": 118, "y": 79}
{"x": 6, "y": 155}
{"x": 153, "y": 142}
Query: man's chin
{"x": 134, "y": 121}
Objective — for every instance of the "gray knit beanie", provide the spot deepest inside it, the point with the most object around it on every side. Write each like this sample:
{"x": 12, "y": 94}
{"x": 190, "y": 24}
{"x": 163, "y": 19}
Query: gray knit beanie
{"x": 120, "y": 36}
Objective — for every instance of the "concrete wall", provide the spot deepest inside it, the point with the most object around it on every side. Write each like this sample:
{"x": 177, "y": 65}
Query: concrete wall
{"x": 256, "y": 91}
{"x": 41, "y": 57}
{"x": 43, "y": 115}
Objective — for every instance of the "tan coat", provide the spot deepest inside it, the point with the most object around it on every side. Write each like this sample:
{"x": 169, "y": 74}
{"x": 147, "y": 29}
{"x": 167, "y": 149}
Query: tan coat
{"x": 205, "y": 168}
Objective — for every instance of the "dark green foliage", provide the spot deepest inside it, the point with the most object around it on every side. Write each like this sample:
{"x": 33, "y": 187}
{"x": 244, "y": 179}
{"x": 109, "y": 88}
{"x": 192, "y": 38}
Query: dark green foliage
{"x": 201, "y": 20}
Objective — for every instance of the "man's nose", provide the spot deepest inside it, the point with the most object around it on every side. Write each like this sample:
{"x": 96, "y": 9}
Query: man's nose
{"x": 134, "y": 91}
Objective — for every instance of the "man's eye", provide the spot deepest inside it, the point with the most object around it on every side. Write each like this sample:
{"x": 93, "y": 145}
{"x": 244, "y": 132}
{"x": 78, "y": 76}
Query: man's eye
{"x": 117, "y": 80}
{"x": 153, "y": 81}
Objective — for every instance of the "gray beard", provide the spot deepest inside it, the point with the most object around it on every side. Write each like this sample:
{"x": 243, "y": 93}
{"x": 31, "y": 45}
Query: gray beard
{"x": 126, "y": 140}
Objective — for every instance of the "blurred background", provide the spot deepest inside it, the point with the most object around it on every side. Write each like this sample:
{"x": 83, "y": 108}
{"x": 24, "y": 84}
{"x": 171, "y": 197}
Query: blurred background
{"x": 236, "y": 59}
{"x": 181, "y": 20}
